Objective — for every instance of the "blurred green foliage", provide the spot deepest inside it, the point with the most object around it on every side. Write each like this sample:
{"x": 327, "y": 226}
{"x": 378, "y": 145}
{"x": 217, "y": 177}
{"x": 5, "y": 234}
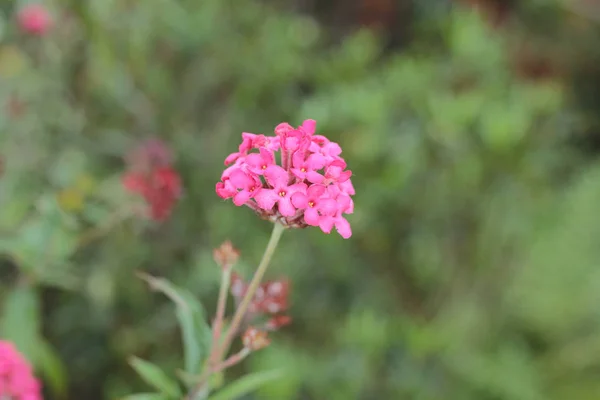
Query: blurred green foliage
{"x": 473, "y": 271}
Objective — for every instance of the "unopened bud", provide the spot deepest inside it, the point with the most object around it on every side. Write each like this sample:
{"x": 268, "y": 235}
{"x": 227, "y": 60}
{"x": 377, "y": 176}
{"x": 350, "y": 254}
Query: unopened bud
{"x": 226, "y": 255}
{"x": 255, "y": 339}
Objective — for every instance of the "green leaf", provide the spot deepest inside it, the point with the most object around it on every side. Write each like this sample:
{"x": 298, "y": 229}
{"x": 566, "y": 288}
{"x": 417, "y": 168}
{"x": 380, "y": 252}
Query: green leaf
{"x": 21, "y": 320}
{"x": 246, "y": 385}
{"x": 196, "y": 333}
{"x": 53, "y": 369}
{"x": 146, "y": 396}
{"x": 155, "y": 377}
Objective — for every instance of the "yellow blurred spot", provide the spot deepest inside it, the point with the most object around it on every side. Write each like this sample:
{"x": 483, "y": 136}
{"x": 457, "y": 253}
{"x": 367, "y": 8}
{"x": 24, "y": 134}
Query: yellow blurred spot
{"x": 12, "y": 61}
{"x": 85, "y": 184}
{"x": 71, "y": 200}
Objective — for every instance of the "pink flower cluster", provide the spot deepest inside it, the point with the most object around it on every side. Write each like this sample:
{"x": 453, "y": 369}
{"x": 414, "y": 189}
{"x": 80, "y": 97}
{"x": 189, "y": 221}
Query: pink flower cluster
{"x": 310, "y": 187}
{"x": 16, "y": 378}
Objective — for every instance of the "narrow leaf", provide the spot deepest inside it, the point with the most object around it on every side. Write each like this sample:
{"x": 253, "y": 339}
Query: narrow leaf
{"x": 155, "y": 377}
{"x": 146, "y": 396}
{"x": 21, "y": 320}
{"x": 52, "y": 368}
{"x": 195, "y": 331}
{"x": 246, "y": 384}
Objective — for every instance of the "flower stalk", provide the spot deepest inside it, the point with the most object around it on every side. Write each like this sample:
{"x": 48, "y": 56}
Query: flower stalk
{"x": 220, "y": 347}
{"x": 258, "y": 275}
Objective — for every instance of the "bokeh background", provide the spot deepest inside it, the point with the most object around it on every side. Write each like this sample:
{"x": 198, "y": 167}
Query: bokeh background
{"x": 472, "y": 129}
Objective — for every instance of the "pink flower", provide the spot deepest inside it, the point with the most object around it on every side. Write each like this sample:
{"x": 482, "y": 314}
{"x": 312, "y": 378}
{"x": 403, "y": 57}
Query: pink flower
{"x": 341, "y": 225}
{"x": 309, "y": 126}
{"x": 281, "y": 194}
{"x": 303, "y": 168}
{"x": 334, "y": 173}
{"x": 34, "y": 19}
{"x": 328, "y": 149}
{"x": 258, "y": 162}
{"x": 17, "y": 381}
{"x": 259, "y": 141}
{"x": 312, "y": 187}
{"x": 313, "y": 203}
{"x": 248, "y": 185}
{"x": 344, "y": 205}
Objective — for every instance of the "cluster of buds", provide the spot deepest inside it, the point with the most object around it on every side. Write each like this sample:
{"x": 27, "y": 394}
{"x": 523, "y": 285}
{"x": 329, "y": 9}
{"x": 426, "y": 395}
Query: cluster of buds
{"x": 17, "y": 381}
{"x": 270, "y": 301}
{"x": 152, "y": 176}
{"x": 34, "y": 19}
{"x": 311, "y": 187}
{"x": 255, "y": 339}
{"x": 268, "y": 304}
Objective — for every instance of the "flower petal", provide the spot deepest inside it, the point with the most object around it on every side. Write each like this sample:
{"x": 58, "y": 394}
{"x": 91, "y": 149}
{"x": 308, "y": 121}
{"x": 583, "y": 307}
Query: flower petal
{"x": 347, "y": 187}
{"x": 328, "y": 206}
{"x": 299, "y": 200}
{"x": 276, "y": 176}
{"x": 267, "y": 156}
{"x": 343, "y": 227}
{"x": 232, "y": 157}
{"x": 326, "y": 223}
{"x": 296, "y": 187}
{"x": 314, "y": 177}
{"x": 285, "y": 207}
{"x": 240, "y": 179}
{"x": 298, "y": 173}
{"x": 332, "y": 149}
{"x": 255, "y": 161}
{"x": 283, "y": 128}
{"x": 344, "y": 176}
{"x": 266, "y": 198}
{"x": 309, "y": 126}
{"x": 311, "y": 216}
{"x": 316, "y": 161}
{"x": 241, "y": 197}
{"x": 298, "y": 159}
{"x": 316, "y": 191}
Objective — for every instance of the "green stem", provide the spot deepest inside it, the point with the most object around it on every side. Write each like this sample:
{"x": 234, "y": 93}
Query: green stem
{"x": 218, "y": 324}
{"x": 258, "y": 275}
{"x": 217, "y": 354}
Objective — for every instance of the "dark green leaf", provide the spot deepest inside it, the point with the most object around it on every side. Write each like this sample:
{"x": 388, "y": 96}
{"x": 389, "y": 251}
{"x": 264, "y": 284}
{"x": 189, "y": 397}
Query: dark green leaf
{"x": 155, "y": 377}
{"x": 246, "y": 384}
{"x": 195, "y": 331}
{"x": 52, "y": 368}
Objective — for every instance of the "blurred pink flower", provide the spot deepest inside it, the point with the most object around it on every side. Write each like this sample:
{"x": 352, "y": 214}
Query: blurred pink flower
{"x": 311, "y": 187}
{"x": 17, "y": 381}
{"x": 34, "y": 19}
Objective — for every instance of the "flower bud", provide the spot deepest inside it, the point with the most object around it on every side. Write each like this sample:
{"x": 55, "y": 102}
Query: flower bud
{"x": 255, "y": 339}
{"x": 226, "y": 255}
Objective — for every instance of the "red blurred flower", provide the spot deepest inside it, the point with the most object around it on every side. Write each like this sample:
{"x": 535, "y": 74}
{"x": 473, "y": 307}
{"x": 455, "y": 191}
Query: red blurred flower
{"x": 154, "y": 179}
{"x": 34, "y": 19}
